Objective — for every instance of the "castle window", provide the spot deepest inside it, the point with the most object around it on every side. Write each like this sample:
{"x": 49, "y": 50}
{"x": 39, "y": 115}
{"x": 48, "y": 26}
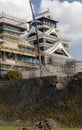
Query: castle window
{"x": 49, "y": 41}
{"x": 43, "y": 29}
{"x": 43, "y": 48}
{"x": 65, "y": 45}
{"x": 41, "y": 40}
{"x": 32, "y": 34}
{"x": 53, "y": 34}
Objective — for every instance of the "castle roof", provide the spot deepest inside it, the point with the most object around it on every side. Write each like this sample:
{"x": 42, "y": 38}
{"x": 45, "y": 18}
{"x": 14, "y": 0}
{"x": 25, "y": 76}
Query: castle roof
{"x": 58, "y": 48}
{"x": 46, "y": 15}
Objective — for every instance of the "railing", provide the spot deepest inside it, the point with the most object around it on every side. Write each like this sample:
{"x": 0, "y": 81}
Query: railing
{"x": 16, "y": 50}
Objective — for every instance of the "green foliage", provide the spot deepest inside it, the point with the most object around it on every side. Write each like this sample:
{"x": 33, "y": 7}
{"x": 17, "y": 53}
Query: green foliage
{"x": 13, "y": 74}
{"x": 10, "y": 128}
{"x": 67, "y": 129}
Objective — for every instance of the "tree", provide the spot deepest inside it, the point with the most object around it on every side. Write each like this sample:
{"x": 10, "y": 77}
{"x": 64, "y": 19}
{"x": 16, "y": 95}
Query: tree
{"x": 13, "y": 74}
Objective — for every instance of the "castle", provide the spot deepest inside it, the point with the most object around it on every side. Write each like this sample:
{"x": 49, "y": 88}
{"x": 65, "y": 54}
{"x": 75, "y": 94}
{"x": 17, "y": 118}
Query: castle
{"x": 54, "y": 49}
{"x": 42, "y": 42}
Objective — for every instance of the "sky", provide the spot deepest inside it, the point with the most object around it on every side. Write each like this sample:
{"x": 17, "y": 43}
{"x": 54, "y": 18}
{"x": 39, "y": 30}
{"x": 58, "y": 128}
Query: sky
{"x": 67, "y": 12}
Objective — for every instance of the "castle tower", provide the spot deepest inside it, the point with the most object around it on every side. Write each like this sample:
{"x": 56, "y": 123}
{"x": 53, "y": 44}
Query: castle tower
{"x": 50, "y": 41}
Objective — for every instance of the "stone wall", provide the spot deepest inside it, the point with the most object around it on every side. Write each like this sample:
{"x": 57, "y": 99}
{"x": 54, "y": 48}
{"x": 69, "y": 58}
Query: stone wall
{"x": 35, "y": 99}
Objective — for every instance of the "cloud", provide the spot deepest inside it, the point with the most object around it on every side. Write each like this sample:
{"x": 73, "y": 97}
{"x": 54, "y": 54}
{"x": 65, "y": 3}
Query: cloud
{"x": 18, "y": 8}
{"x": 69, "y": 16}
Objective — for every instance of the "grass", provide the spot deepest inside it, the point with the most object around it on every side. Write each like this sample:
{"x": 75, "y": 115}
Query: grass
{"x": 10, "y": 128}
{"x": 67, "y": 129}
{"x": 20, "y": 128}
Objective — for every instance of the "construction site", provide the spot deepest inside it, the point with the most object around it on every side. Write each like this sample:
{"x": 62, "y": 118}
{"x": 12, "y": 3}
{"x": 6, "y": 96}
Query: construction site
{"x": 35, "y": 56}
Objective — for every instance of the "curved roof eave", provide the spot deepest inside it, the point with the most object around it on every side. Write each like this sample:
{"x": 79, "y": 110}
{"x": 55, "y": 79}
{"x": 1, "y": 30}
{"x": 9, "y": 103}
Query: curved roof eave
{"x": 54, "y": 48}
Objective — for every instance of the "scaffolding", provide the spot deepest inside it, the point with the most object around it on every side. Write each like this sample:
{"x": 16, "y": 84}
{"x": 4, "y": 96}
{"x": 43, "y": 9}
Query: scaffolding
{"x": 13, "y": 20}
{"x": 15, "y": 52}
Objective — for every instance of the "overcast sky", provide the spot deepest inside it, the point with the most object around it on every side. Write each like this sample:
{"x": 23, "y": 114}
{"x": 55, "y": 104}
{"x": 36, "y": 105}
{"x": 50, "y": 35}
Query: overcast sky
{"x": 68, "y": 13}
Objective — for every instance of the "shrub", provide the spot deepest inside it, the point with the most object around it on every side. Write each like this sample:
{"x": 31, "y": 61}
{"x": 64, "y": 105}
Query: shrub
{"x": 13, "y": 74}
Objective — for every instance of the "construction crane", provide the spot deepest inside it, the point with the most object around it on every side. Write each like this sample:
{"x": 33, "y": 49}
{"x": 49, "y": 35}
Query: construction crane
{"x": 38, "y": 46}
